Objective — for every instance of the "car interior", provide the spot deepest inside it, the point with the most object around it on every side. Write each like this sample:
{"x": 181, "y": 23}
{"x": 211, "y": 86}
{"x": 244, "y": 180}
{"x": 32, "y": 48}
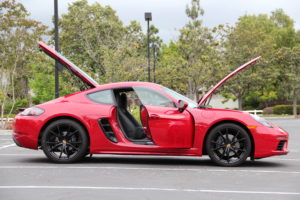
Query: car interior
{"x": 135, "y": 130}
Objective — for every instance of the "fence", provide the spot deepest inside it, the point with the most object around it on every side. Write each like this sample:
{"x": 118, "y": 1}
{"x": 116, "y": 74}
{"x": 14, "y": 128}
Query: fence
{"x": 5, "y": 119}
{"x": 255, "y": 112}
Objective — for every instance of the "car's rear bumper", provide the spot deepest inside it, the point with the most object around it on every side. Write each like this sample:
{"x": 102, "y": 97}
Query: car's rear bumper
{"x": 23, "y": 140}
{"x": 16, "y": 141}
{"x": 26, "y": 131}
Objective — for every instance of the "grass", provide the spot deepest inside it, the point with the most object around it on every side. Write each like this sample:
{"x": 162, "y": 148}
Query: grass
{"x": 10, "y": 116}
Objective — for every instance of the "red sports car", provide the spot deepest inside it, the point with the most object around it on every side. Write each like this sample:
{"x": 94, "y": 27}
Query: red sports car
{"x": 145, "y": 119}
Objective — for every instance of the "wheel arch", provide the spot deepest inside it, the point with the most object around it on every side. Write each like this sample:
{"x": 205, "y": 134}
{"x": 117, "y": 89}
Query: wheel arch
{"x": 59, "y": 118}
{"x": 233, "y": 122}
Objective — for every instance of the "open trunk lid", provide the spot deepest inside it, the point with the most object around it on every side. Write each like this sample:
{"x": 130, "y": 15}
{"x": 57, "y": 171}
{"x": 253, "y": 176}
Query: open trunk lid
{"x": 68, "y": 64}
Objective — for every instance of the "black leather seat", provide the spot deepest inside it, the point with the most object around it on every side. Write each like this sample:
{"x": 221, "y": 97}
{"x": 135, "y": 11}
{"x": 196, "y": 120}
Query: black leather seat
{"x": 128, "y": 123}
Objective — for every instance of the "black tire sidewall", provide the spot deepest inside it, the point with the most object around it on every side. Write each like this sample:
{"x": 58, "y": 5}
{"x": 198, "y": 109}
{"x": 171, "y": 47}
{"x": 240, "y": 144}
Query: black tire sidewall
{"x": 211, "y": 135}
{"x": 82, "y": 133}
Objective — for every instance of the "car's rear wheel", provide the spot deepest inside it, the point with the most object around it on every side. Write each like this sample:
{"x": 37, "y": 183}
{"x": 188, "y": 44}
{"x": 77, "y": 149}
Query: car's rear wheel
{"x": 64, "y": 141}
{"x": 228, "y": 145}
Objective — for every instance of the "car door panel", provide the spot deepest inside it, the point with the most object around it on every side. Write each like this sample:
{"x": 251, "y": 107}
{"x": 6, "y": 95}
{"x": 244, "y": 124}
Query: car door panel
{"x": 169, "y": 127}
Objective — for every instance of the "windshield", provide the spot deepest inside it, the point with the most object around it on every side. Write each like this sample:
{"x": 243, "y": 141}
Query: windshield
{"x": 177, "y": 96}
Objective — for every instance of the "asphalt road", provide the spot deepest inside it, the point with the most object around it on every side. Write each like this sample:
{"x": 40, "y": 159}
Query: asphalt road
{"x": 27, "y": 174}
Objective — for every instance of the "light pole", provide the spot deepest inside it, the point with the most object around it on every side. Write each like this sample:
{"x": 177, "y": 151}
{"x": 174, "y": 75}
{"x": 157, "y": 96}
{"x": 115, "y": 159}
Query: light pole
{"x": 56, "y": 48}
{"x": 148, "y": 18}
{"x": 154, "y": 46}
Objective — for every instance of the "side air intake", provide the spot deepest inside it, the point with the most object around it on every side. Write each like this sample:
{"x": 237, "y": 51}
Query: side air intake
{"x": 107, "y": 130}
{"x": 280, "y": 145}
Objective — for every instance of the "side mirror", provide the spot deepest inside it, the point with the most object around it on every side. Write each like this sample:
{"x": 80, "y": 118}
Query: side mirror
{"x": 182, "y": 105}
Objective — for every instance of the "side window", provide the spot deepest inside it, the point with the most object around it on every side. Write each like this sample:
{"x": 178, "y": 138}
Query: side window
{"x": 103, "y": 97}
{"x": 151, "y": 97}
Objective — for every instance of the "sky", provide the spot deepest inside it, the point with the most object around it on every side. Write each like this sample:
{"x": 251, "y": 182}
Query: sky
{"x": 169, "y": 15}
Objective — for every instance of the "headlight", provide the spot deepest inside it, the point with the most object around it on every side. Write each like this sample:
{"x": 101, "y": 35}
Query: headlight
{"x": 261, "y": 120}
{"x": 33, "y": 111}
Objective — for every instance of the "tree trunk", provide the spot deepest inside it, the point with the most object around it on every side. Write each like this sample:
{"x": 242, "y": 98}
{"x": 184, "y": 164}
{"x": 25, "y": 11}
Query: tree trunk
{"x": 27, "y": 92}
{"x": 197, "y": 95}
{"x": 4, "y": 102}
{"x": 295, "y": 98}
{"x": 240, "y": 102}
{"x": 3, "y": 109}
{"x": 13, "y": 89}
{"x": 190, "y": 88}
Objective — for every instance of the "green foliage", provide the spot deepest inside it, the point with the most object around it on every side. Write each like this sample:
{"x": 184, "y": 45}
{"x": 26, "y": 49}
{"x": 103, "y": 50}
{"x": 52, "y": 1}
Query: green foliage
{"x": 198, "y": 51}
{"x": 170, "y": 69}
{"x": 18, "y": 36}
{"x": 284, "y": 109}
{"x": 87, "y": 32}
{"x": 20, "y": 103}
{"x": 135, "y": 111}
{"x": 42, "y": 84}
{"x": 94, "y": 38}
{"x": 258, "y": 35}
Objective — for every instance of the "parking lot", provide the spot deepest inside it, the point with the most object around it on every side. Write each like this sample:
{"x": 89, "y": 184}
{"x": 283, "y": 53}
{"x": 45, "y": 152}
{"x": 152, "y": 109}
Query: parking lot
{"x": 27, "y": 174}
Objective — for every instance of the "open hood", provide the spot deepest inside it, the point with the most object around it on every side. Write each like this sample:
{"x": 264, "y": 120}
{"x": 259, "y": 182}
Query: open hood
{"x": 211, "y": 91}
{"x": 68, "y": 64}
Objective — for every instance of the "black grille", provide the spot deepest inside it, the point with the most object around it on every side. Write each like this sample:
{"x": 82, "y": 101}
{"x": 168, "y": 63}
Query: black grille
{"x": 280, "y": 145}
{"x": 107, "y": 130}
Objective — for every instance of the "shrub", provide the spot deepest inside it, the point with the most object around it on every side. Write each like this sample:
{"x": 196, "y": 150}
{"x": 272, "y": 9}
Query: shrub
{"x": 248, "y": 108}
{"x": 268, "y": 111}
{"x": 20, "y": 103}
{"x": 284, "y": 109}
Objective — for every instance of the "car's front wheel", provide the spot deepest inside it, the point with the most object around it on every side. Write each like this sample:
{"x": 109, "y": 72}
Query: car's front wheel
{"x": 228, "y": 145}
{"x": 64, "y": 141}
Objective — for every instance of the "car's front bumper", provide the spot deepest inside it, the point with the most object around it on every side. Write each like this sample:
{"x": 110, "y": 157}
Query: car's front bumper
{"x": 270, "y": 141}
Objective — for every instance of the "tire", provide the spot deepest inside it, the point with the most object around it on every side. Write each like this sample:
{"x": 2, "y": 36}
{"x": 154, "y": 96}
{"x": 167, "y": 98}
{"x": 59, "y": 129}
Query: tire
{"x": 64, "y": 141}
{"x": 228, "y": 145}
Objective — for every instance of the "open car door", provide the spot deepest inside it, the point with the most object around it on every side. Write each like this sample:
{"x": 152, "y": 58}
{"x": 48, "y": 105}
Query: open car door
{"x": 68, "y": 64}
{"x": 163, "y": 122}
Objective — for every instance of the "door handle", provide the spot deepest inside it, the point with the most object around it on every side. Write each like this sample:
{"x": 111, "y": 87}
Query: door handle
{"x": 154, "y": 116}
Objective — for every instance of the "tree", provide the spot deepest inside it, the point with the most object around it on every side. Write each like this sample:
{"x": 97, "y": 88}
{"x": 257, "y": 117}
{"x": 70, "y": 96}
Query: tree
{"x": 258, "y": 35}
{"x": 251, "y": 37}
{"x": 288, "y": 59}
{"x": 42, "y": 85}
{"x": 128, "y": 61}
{"x": 198, "y": 48}
{"x": 93, "y": 37}
{"x": 18, "y": 36}
{"x": 284, "y": 33}
{"x": 87, "y": 33}
{"x": 170, "y": 64}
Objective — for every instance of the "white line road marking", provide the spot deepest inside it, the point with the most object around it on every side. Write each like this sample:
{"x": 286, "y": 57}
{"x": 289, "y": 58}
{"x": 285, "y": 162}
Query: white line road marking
{"x": 6, "y": 146}
{"x": 284, "y": 159}
{"x": 255, "y": 171}
{"x": 145, "y": 168}
{"x": 21, "y": 154}
{"x": 149, "y": 189}
{"x": 95, "y": 156}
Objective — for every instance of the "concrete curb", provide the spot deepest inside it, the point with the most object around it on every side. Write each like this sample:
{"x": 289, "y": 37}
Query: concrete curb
{"x": 5, "y": 132}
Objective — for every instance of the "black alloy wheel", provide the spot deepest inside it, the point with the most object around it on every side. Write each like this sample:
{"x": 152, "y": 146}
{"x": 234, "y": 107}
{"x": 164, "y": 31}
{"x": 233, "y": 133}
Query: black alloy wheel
{"x": 64, "y": 141}
{"x": 228, "y": 145}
